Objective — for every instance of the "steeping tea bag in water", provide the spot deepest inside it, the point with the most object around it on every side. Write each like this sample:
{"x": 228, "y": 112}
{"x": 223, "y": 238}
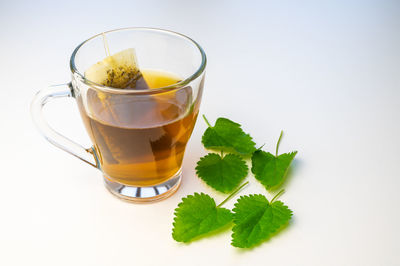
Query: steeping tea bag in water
{"x": 134, "y": 132}
{"x": 118, "y": 71}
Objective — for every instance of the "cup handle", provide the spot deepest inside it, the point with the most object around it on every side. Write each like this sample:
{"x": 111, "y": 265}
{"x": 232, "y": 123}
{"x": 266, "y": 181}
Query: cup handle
{"x": 41, "y": 98}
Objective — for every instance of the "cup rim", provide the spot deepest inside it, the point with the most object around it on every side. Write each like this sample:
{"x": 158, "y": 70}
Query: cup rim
{"x": 177, "y": 85}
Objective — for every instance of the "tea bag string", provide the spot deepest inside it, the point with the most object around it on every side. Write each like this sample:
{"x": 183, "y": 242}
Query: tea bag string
{"x": 104, "y": 97}
{"x": 106, "y": 47}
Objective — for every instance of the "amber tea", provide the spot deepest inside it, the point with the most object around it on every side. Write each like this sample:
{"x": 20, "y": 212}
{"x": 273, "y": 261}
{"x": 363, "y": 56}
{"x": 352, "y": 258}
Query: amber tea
{"x": 140, "y": 141}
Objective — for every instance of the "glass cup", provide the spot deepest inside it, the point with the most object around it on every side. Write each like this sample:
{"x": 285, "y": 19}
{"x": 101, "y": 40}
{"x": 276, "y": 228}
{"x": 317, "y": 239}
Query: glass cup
{"x": 139, "y": 136}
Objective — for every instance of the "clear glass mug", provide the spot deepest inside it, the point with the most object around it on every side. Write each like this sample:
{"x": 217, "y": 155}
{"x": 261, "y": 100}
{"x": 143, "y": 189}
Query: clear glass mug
{"x": 139, "y": 136}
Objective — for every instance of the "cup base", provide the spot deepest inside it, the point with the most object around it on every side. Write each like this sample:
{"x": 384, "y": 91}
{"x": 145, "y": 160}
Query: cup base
{"x": 144, "y": 194}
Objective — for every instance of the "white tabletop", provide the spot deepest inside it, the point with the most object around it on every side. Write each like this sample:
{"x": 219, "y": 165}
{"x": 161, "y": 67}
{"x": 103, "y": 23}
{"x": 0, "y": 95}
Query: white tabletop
{"x": 328, "y": 74}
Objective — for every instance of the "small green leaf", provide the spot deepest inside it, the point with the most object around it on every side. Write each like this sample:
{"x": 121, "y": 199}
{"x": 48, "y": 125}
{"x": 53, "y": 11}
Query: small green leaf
{"x": 222, "y": 174}
{"x": 255, "y": 219}
{"x": 270, "y": 170}
{"x": 197, "y": 215}
{"x": 228, "y": 134}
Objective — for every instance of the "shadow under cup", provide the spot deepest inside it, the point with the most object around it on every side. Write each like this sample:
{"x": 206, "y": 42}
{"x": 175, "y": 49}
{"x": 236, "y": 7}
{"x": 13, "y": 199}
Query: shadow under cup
{"x": 139, "y": 136}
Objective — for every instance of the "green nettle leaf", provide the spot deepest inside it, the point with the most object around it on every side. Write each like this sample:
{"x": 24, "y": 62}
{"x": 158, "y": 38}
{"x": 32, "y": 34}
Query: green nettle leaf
{"x": 270, "y": 170}
{"x": 197, "y": 215}
{"x": 222, "y": 174}
{"x": 227, "y": 134}
{"x": 255, "y": 219}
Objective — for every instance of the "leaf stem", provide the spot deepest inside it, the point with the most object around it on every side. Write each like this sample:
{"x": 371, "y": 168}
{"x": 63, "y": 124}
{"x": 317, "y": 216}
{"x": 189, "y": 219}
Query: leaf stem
{"x": 277, "y": 144}
{"x": 277, "y": 195}
{"x": 232, "y": 194}
{"x": 261, "y": 147}
{"x": 205, "y": 119}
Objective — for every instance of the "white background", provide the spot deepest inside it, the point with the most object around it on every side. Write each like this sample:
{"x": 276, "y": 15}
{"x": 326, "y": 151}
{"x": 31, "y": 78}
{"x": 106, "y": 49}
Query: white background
{"x": 327, "y": 73}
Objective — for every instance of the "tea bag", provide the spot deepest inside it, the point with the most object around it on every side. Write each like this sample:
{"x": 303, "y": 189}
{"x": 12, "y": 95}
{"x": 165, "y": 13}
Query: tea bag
{"x": 119, "y": 71}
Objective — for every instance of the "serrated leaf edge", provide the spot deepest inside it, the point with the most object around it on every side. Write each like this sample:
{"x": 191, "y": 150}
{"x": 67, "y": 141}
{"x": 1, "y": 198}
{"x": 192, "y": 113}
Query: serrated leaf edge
{"x": 183, "y": 200}
{"x": 230, "y": 154}
{"x": 269, "y": 203}
{"x": 267, "y": 186}
{"x": 219, "y": 147}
